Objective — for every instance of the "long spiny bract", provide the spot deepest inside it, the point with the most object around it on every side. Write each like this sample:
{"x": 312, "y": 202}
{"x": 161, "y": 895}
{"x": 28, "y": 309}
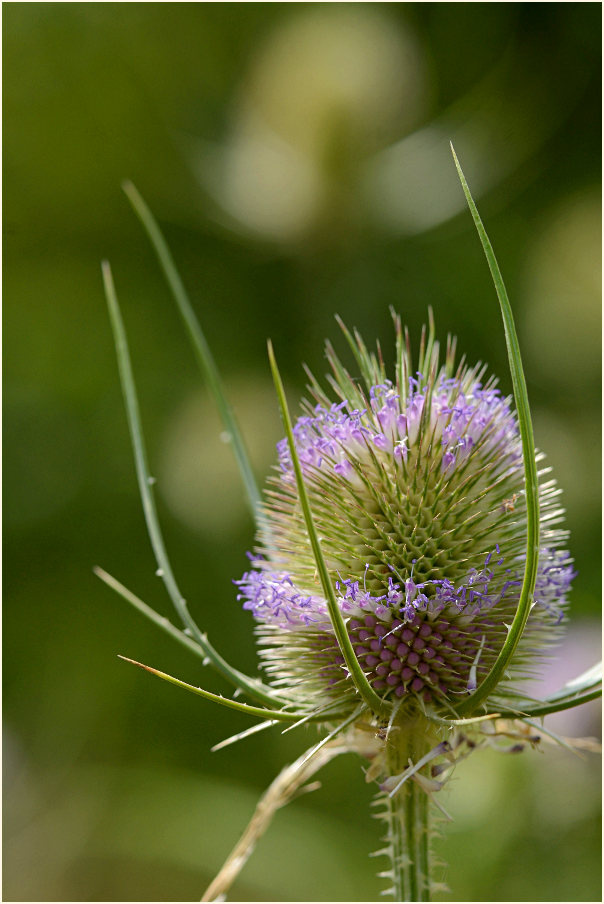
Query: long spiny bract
{"x": 251, "y": 686}
{"x": 530, "y": 471}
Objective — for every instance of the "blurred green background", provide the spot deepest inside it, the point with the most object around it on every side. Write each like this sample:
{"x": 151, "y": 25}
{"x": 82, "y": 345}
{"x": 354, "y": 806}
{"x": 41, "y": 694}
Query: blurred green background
{"x": 297, "y": 158}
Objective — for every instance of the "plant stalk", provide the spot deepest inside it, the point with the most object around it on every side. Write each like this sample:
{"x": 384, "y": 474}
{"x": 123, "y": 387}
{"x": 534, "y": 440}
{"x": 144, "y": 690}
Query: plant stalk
{"x": 408, "y": 816}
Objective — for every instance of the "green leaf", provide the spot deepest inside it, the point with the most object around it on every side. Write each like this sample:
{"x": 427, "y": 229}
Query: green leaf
{"x": 272, "y": 714}
{"x": 368, "y": 695}
{"x": 490, "y": 682}
{"x": 557, "y": 706}
{"x": 585, "y": 681}
{"x": 332, "y": 734}
{"x": 582, "y": 689}
{"x": 585, "y": 687}
{"x": 251, "y": 686}
{"x": 201, "y": 348}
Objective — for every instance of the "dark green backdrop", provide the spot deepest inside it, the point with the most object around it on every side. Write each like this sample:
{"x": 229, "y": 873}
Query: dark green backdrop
{"x": 297, "y": 158}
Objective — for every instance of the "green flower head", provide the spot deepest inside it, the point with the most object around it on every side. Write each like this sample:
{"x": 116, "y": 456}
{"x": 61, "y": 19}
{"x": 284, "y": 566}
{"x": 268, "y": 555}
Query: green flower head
{"x": 416, "y": 485}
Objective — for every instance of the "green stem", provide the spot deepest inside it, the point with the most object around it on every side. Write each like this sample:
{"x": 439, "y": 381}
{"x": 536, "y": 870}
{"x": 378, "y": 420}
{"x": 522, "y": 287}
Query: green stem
{"x": 424, "y": 840}
{"x": 408, "y": 816}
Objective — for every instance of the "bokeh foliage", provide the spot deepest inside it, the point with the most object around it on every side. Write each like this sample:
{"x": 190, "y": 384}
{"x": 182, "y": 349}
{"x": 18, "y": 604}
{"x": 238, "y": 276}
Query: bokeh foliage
{"x": 297, "y": 158}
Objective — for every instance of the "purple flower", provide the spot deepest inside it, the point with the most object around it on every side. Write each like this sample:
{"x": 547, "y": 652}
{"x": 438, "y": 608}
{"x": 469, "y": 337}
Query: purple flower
{"x": 417, "y": 492}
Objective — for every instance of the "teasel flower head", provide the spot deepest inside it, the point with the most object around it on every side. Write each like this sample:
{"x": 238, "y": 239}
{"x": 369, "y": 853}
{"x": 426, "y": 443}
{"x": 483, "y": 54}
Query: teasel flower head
{"x": 416, "y": 484}
{"x": 409, "y": 573}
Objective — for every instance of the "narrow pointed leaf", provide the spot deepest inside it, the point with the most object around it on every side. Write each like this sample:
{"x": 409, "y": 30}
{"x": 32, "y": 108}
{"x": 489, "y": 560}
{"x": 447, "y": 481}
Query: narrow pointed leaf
{"x": 471, "y": 720}
{"x": 259, "y": 726}
{"x": 161, "y": 621}
{"x": 488, "y": 685}
{"x": 557, "y": 706}
{"x": 558, "y": 739}
{"x": 202, "y": 350}
{"x": 326, "y": 713}
{"x": 582, "y": 689}
{"x": 272, "y": 714}
{"x": 585, "y": 687}
{"x": 150, "y": 613}
{"x": 368, "y": 695}
{"x": 586, "y": 681}
{"x": 250, "y": 685}
{"x": 332, "y": 734}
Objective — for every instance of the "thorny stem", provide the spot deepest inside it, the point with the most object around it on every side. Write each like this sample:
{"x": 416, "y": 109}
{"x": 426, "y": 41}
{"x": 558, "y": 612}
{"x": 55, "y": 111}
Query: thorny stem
{"x": 424, "y": 840}
{"x": 408, "y": 814}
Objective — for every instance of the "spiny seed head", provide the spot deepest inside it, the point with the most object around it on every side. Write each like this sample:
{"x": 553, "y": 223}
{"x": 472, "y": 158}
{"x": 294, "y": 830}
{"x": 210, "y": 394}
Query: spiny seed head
{"x": 417, "y": 490}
